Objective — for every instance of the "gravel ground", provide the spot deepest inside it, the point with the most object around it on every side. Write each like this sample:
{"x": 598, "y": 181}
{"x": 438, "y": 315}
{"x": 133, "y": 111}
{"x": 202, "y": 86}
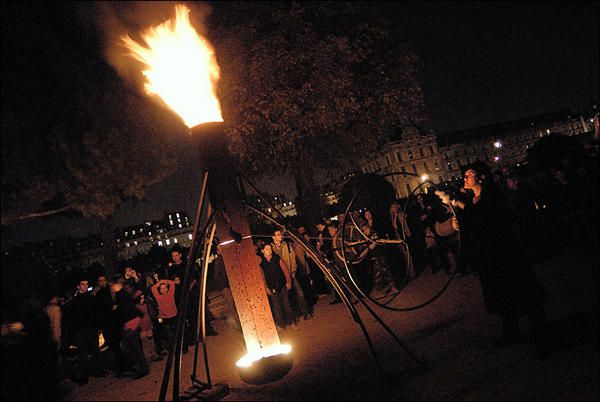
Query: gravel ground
{"x": 453, "y": 334}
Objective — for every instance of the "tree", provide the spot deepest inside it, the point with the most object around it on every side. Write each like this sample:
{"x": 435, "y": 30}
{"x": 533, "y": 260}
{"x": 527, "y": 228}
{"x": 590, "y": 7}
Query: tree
{"x": 306, "y": 85}
{"x": 75, "y": 137}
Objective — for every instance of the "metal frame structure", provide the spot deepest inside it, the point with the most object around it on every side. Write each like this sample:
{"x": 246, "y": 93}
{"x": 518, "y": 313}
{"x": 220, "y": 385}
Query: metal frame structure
{"x": 344, "y": 285}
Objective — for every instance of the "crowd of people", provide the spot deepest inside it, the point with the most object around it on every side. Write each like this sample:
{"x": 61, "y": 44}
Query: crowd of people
{"x": 99, "y": 328}
{"x": 504, "y": 221}
{"x": 525, "y": 219}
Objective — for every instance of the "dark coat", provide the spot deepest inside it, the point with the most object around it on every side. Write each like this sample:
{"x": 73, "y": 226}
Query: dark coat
{"x": 82, "y": 312}
{"x": 274, "y": 276}
{"x": 126, "y": 309}
{"x": 508, "y": 281}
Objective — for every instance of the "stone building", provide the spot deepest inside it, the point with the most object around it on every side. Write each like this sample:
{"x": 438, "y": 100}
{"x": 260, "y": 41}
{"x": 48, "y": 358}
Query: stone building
{"x": 413, "y": 152}
{"x": 439, "y": 157}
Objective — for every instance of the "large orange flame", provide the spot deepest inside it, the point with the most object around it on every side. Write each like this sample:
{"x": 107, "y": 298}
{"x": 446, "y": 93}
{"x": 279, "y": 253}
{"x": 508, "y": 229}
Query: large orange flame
{"x": 182, "y": 68}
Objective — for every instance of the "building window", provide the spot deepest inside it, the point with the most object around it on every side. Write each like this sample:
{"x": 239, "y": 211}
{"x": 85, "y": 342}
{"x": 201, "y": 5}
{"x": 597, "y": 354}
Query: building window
{"x": 408, "y": 190}
{"x": 410, "y": 155}
{"x": 168, "y": 241}
{"x": 414, "y": 168}
{"x": 126, "y": 244}
{"x": 135, "y": 242}
{"x": 398, "y": 157}
{"x": 425, "y": 166}
{"x": 422, "y": 154}
{"x": 190, "y": 236}
{"x": 160, "y": 243}
{"x": 175, "y": 240}
{"x": 431, "y": 150}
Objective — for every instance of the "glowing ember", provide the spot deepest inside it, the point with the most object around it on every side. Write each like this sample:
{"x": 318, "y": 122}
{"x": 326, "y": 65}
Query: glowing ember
{"x": 182, "y": 68}
{"x": 250, "y": 358}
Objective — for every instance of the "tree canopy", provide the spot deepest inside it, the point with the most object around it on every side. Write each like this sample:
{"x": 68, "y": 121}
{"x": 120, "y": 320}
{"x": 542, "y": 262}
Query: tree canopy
{"x": 305, "y": 85}
{"x": 75, "y": 136}
{"x": 73, "y": 133}
{"x": 302, "y": 82}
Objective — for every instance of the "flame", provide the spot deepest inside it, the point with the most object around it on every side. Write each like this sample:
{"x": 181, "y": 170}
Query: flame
{"x": 181, "y": 68}
{"x": 249, "y": 358}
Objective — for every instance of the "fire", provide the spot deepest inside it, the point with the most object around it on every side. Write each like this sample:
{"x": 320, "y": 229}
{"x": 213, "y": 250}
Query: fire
{"x": 181, "y": 68}
{"x": 249, "y": 358}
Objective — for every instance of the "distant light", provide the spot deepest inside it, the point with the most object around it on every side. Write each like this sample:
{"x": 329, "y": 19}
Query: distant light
{"x": 496, "y": 158}
{"x": 547, "y": 131}
{"x": 226, "y": 242}
{"x": 498, "y": 144}
{"x": 424, "y": 177}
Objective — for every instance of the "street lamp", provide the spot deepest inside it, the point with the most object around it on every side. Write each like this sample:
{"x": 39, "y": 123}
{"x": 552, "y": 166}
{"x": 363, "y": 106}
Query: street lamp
{"x": 181, "y": 70}
{"x": 498, "y": 144}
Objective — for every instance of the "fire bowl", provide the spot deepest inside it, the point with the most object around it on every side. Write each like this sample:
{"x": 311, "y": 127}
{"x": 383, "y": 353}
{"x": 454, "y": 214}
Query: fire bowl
{"x": 266, "y": 369}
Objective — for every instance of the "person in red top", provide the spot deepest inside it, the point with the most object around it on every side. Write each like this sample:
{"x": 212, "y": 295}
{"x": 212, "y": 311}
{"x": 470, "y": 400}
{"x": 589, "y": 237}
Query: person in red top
{"x": 164, "y": 294}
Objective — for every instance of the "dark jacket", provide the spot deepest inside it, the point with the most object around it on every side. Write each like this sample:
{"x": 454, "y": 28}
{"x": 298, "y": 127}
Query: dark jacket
{"x": 126, "y": 309}
{"x": 103, "y": 308}
{"x": 508, "y": 281}
{"x": 82, "y": 312}
{"x": 274, "y": 276}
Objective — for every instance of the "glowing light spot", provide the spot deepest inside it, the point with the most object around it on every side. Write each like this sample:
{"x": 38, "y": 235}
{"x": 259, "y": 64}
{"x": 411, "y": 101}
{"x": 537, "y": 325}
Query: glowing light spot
{"x": 248, "y": 359}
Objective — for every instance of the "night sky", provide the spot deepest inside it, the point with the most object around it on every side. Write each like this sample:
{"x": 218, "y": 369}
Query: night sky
{"x": 481, "y": 63}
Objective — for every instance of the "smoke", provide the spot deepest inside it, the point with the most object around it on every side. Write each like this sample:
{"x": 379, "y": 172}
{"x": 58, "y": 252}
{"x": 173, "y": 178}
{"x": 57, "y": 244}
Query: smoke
{"x": 115, "y": 19}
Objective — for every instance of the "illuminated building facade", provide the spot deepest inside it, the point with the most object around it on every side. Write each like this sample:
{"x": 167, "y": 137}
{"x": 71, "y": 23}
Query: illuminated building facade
{"x": 412, "y": 151}
{"x": 440, "y": 157}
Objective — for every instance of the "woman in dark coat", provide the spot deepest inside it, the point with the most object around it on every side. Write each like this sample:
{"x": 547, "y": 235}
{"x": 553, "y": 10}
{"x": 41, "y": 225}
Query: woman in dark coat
{"x": 508, "y": 281}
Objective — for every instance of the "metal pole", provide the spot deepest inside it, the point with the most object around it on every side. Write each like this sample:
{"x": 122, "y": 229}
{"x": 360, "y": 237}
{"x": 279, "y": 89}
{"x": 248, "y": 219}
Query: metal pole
{"x": 203, "y": 307}
{"x": 200, "y": 323}
{"x": 176, "y": 347}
